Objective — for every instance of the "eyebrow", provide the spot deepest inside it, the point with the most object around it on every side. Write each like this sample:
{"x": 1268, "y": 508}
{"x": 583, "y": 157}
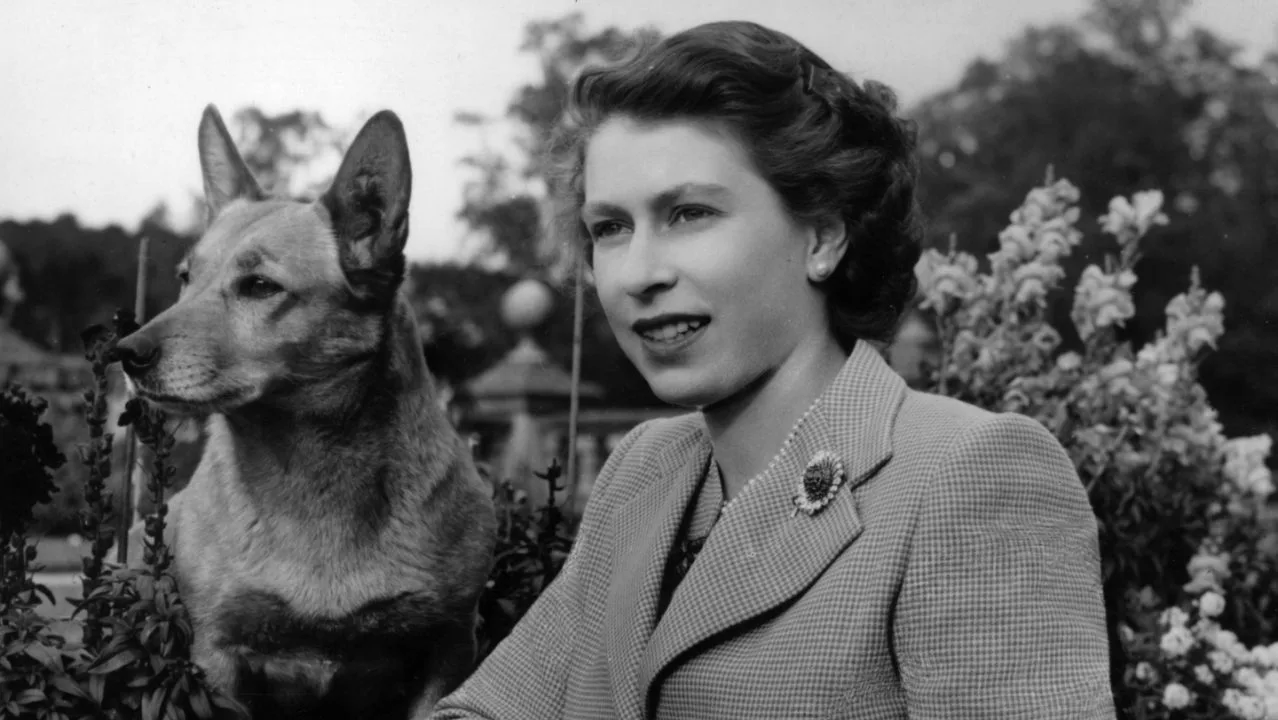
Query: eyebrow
{"x": 253, "y": 258}
{"x": 661, "y": 200}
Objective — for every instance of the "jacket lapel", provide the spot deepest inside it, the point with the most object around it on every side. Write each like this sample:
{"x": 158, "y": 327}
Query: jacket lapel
{"x": 645, "y": 530}
{"x": 761, "y": 553}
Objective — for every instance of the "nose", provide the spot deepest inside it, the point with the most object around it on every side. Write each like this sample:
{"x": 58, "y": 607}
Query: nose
{"x": 644, "y": 269}
{"x": 137, "y": 353}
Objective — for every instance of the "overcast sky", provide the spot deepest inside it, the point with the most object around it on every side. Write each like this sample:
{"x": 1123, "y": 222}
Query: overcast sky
{"x": 101, "y": 100}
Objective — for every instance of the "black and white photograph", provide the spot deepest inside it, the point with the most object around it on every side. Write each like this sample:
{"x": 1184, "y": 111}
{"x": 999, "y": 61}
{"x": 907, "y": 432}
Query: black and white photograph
{"x": 588, "y": 359}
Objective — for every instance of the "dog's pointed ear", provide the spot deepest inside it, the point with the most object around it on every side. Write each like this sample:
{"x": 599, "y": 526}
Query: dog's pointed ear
{"x": 226, "y": 177}
{"x": 368, "y": 203}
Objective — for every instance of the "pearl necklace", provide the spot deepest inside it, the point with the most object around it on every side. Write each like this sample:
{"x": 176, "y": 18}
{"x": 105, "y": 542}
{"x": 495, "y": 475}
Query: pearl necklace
{"x": 794, "y": 431}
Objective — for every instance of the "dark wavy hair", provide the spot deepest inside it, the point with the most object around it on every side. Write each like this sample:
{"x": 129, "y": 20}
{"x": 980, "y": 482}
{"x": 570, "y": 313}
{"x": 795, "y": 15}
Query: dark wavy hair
{"x": 828, "y": 146}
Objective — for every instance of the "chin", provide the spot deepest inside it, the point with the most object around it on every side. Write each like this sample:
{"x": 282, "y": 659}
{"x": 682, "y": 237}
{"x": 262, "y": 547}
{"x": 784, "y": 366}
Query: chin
{"x": 685, "y": 391}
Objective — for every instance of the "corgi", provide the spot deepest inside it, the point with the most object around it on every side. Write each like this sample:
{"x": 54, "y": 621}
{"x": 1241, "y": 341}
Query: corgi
{"x": 333, "y": 543}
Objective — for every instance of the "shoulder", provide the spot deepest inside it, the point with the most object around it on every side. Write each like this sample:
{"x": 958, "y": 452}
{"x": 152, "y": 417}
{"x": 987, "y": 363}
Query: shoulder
{"x": 659, "y": 434}
{"x": 987, "y": 467}
{"x": 654, "y": 436}
{"x": 647, "y": 442}
{"x": 938, "y": 429}
{"x": 923, "y": 412}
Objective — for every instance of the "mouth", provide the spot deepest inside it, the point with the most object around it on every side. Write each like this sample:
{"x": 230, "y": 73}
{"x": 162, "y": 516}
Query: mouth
{"x": 178, "y": 405}
{"x": 671, "y": 331}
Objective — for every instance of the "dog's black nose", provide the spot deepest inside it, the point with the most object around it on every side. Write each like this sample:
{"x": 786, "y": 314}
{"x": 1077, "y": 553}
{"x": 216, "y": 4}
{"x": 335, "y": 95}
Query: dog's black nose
{"x": 137, "y": 353}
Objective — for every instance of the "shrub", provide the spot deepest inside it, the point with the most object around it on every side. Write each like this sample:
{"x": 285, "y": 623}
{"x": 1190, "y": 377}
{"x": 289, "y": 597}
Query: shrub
{"x": 532, "y": 545}
{"x": 1167, "y": 486}
{"x": 126, "y": 653}
{"x": 65, "y": 413}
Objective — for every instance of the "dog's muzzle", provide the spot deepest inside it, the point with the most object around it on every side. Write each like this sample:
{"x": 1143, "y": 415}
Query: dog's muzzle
{"x": 137, "y": 354}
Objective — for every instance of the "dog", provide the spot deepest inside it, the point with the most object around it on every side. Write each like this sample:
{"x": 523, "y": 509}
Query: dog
{"x": 335, "y": 538}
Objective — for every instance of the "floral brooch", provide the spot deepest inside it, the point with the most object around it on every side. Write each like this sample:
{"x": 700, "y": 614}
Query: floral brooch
{"x": 821, "y": 479}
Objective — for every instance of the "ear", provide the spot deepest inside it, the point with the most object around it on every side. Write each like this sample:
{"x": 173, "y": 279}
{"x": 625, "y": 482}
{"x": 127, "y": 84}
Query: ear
{"x": 226, "y": 177}
{"x": 368, "y": 203}
{"x": 827, "y": 245}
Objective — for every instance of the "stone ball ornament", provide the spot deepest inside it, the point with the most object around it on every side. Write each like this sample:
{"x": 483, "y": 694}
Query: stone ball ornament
{"x": 526, "y": 304}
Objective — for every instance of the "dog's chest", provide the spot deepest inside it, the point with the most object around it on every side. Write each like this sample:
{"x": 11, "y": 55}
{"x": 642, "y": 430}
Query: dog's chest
{"x": 318, "y": 625}
{"x": 318, "y": 564}
{"x": 367, "y": 663}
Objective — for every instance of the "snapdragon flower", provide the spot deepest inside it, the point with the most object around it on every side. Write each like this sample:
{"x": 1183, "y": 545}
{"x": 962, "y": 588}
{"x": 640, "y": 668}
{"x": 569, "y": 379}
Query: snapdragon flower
{"x": 1176, "y": 641}
{"x": 1245, "y": 465}
{"x": 1176, "y": 696}
{"x": 1211, "y": 604}
{"x": 1243, "y": 705}
{"x": 1145, "y": 672}
{"x": 945, "y": 281}
{"x": 1102, "y": 300}
{"x": 1130, "y": 220}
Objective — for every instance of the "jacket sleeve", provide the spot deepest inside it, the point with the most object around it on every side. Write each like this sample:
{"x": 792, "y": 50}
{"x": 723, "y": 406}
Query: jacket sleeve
{"x": 1000, "y": 614}
{"x": 526, "y": 675}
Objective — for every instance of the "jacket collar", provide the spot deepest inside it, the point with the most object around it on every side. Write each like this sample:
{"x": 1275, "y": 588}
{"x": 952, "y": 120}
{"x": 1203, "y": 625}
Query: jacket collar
{"x": 760, "y": 554}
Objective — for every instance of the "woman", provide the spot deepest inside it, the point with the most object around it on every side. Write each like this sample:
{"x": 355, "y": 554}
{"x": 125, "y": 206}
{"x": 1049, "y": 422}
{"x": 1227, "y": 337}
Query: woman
{"x": 864, "y": 550}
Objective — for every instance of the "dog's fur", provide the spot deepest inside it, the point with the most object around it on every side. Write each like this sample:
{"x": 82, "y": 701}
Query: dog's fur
{"x": 333, "y": 543}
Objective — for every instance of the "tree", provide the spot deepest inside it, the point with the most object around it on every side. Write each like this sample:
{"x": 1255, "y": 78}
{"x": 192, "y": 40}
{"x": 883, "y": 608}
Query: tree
{"x": 504, "y": 205}
{"x": 11, "y": 293}
{"x": 505, "y": 202}
{"x": 294, "y": 153}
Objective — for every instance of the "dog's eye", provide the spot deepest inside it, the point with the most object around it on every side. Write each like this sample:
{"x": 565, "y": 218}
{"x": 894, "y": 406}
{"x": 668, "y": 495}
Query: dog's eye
{"x": 258, "y": 287}
{"x": 184, "y": 277}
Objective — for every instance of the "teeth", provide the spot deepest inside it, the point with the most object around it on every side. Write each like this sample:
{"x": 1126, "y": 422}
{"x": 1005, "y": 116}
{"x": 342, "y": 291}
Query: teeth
{"x": 666, "y": 333}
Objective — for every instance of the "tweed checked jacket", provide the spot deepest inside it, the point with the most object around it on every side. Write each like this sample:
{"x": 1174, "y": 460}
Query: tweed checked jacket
{"x": 955, "y": 575}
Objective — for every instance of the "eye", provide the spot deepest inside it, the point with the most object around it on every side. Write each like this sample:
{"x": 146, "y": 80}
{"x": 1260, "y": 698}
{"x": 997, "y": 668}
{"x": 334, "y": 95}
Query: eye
{"x": 184, "y": 276}
{"x": 606, "y": 228}
{"x": 690, "y": 213}
{"x": 258, "y": 287}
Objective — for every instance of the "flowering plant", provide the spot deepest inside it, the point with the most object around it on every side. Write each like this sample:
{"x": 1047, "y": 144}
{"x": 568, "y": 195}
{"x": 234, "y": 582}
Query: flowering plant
{"x": 1164, "y": 480}
{"x": 1201, "y": 669}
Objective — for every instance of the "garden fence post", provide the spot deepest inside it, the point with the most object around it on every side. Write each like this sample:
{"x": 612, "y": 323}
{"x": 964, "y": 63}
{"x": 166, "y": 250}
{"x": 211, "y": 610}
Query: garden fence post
{"x": 578, "y": 310}
{"x": 128, "y": 514}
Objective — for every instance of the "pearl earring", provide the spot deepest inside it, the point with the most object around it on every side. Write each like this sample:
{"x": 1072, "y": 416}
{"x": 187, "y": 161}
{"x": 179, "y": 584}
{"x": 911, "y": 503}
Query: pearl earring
{"x": 821, "y": 271}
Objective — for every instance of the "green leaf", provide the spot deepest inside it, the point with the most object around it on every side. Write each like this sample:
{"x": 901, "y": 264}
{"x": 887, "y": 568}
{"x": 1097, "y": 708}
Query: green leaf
{"x": 151, "y": 705}
{"x": 65, "y": 684}
{"x": 199, "y": 700}
{"x": 115, "y": 662}
{"x": 30, "y": 697}
{"x": 228, "y": 703}
{"x": 45, "y": 655}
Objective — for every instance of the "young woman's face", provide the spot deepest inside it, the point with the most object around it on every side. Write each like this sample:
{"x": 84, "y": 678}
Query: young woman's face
{"x": 700, "y": 270}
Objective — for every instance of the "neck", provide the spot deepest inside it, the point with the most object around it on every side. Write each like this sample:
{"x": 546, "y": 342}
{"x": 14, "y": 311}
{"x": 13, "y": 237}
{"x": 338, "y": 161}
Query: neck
{"x": 748, "y": 429}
